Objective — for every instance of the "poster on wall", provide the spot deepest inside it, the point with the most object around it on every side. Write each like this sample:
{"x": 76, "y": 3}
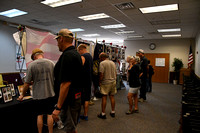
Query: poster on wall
{"x": 160, "y": 62}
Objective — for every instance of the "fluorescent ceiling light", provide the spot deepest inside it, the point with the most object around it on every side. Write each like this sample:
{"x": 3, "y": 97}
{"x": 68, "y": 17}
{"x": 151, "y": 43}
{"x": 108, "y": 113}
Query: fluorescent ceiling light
{"x": 91, "y": 35}
{"x": 136, "y": 36}
{"x": 56, "y": 3}
{"x": 113, "y": 26}
{"x": 169, "y": 30}
{"x": 12, "y": 13}
{"x": 76, "y": 30}
{"x": 163, "y": 8}
{"x": 94, "y": 16}
{"x": 174, "y": 35}
{"x": 124, "y": 32}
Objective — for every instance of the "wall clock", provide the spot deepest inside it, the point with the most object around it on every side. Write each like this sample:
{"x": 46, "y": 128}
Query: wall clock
{"x": 152, "y": 46}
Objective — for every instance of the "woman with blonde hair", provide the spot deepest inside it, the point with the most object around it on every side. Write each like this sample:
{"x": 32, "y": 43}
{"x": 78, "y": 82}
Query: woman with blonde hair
{"x": 134, "y": 83}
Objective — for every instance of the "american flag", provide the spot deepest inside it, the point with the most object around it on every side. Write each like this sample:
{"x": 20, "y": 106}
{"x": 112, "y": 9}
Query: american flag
{"x": 190, "y": 58}
{"x": 43, "y": 40}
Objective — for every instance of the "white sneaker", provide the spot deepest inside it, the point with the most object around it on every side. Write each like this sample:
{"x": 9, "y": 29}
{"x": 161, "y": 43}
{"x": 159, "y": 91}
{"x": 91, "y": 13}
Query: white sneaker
{"x": 95, "y": 99}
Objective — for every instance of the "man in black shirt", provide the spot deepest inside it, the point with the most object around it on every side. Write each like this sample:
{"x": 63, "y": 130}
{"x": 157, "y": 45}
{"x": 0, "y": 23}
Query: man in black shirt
{"x": 87, "y": 79}
{"x": 68, "y": 72}
{"x": 143, "y": 65}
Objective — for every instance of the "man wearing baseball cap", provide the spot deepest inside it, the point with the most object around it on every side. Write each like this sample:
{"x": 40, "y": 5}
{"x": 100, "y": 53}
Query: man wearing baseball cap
{"x": 143, "y": 65}
{"x": 68, "y": 82}
{"x": 40, "y": 72}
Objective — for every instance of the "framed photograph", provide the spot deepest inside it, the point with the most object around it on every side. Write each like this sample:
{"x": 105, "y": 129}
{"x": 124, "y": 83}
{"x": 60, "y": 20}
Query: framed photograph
{"x": 6, "y": 94}
{"x": 0, "y": 93}
{"x": 12, "y": 89}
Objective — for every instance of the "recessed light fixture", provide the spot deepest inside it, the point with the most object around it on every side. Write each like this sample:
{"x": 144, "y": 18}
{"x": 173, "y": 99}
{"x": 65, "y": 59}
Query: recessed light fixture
{"x": 169, "y": 30}
{"x": 56, "y": 3}
{"x": 91, "y": 35}
{"x": 94, "y": 16}
{"x": 113, "y": 26}
{"x": 136, "y": 36}
{"x": 76, "y": 30}
{"x": 164, "y": 8}
{"x": 13, "y": 13}
{"x": 173, "y": 35}
{"x": 124, "y": 32}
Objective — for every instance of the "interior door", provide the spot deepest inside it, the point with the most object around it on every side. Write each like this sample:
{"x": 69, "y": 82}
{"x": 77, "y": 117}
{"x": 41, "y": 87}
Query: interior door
{"x": 161, "y": 69}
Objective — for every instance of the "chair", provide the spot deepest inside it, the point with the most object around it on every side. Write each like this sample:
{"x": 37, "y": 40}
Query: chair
{"x": 2, "y": 82}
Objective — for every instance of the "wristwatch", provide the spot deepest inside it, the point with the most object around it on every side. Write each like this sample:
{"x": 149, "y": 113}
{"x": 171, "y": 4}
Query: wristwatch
{"x": 56, "y": 108}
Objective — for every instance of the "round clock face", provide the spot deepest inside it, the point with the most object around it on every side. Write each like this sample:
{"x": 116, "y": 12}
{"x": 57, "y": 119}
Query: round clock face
{"x": 152, "y": 46}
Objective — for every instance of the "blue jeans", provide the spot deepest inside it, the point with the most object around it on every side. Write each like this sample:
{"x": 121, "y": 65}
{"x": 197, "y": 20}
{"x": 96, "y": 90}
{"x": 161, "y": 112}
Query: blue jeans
{"x": 149, "y": 85}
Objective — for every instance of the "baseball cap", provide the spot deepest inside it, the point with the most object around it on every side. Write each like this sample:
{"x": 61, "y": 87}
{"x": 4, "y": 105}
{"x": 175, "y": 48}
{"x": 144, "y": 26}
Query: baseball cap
{"x": 35, "y": 51}
{"x": 64, "y": 32}
{"x": 141, "y": 51}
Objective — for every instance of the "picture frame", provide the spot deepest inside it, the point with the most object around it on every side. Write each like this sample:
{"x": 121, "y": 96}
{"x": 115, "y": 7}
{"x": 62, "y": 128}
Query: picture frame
{"x": 6, "y": 94}
{"x": 0, "y": 94}
{"x": 12, "y": 89}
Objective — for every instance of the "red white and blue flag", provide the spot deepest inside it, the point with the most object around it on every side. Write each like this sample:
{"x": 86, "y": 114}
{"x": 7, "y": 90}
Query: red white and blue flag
{"x": 190, "y": 58}
{"x": 43, "y": 40}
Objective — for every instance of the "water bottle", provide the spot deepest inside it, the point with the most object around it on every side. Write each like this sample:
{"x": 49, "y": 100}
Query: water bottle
{"x": 60, "y": 124}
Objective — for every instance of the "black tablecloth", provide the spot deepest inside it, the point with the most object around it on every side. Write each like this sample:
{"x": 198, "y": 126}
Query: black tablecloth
{"x": 16, "y": 116}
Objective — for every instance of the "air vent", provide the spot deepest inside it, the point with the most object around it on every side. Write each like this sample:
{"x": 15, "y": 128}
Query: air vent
{"x": 125, "y": 6}
{"x": 175, "y": 21}
{"x": 48, "y": 23}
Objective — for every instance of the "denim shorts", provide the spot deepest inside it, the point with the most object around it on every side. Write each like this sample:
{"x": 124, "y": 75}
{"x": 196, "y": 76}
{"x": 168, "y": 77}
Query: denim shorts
{"x": 133, "y": 90}
{"x": 70, "y": 116}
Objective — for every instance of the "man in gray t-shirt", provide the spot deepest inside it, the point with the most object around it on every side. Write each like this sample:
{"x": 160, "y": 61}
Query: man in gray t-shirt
{"x": 107, "y": 82}
{"x": 40, "y": 72}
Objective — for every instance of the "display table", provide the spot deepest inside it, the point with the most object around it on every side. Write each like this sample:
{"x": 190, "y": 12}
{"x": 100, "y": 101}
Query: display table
{"x": 18, "y": 116}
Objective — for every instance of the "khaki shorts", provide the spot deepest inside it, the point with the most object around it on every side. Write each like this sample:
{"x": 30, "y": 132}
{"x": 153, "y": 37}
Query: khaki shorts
{"x": 110, "y": 89}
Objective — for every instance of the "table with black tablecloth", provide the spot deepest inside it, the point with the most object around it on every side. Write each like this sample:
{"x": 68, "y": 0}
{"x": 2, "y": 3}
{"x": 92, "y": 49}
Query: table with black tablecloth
{"x": 18, "y": 116}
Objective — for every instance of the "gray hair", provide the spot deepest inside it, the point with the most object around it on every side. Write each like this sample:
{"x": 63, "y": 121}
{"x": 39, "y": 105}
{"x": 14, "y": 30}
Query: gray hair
{"x": 137, "y": 59}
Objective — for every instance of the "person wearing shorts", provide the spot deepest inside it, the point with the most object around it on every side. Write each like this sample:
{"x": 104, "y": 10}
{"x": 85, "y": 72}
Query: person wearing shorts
{"x": 107, "y": 83}
{"x": 68, "y": 82}
{"x": 134, "y": 84}
{"x": 40, "y": 72}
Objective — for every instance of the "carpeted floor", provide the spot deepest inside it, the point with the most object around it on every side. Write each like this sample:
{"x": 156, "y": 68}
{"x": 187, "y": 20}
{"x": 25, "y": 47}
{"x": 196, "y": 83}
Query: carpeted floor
{"x": 159, "y": 114}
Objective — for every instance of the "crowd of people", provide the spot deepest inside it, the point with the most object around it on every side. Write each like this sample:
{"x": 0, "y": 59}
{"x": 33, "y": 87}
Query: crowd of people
{"x": 61, "y": 89}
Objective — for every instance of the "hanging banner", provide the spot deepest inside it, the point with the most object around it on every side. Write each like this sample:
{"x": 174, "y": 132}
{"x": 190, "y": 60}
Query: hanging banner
{"x": 20, "y": 59}
{"x": 44, "y": 41}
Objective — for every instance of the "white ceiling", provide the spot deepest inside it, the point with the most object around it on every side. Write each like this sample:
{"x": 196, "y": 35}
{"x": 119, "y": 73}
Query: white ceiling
{"x": 187, "y": 17}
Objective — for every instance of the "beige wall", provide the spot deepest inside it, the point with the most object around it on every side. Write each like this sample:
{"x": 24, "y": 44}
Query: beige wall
{"x": 197, "y": 55}
{"x": 178, "y": 48}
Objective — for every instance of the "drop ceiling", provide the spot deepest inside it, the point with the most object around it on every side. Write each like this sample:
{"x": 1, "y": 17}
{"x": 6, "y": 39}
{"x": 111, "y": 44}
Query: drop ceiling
{"x": 53, "y": 19}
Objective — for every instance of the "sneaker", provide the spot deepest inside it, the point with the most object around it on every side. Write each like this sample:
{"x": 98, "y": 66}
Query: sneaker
{"x": 91, "y": 102}
{"x": 141, "y": 100}
{"x": 136, "y": 111}
{"x": 84, "y": 117}
{"x": 129, "y": 112}
{"x": 101, "y": 116}
{"x": 112, "y": 114}
{"x": 95, "y": 99}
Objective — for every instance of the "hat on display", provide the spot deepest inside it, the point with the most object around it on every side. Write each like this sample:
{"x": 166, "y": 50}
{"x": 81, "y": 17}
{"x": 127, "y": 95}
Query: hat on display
{"x": 141, "y": 51}
{"x": 36, "y": 51}
{"x": 64, "y": 32}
